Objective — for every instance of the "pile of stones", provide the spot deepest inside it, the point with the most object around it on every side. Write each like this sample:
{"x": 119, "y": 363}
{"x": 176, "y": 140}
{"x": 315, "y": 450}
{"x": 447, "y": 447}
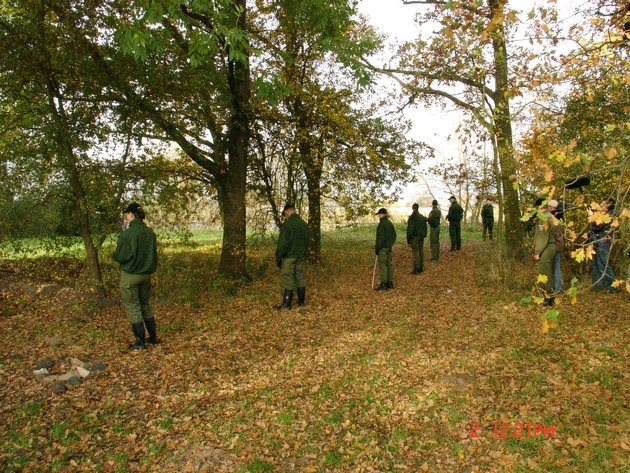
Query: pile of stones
{"x": 73, "y": 373}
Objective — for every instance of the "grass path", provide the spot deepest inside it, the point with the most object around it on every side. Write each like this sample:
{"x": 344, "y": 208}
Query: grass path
{"x": 413, "y": 379}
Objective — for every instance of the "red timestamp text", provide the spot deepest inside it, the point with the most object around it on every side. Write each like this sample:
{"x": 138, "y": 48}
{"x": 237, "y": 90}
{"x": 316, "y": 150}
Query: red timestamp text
{"x": 516, "y": 430}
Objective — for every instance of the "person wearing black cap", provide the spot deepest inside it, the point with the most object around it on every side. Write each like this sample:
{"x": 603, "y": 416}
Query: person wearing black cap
{"x": 290, "y": 254}
{"x": 487, "y": 218}
{"x": 454, "y": 217}
{"x": 434, "y": 220}
{"x": 385, "y": 239}
{"x": 136, "y": 252}
{"x": 416, "y": 233}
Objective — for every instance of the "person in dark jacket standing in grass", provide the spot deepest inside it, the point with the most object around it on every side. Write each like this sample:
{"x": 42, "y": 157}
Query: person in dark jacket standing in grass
{"x": 487, "y": 218}
{"x": 385, "y": 239}
{"x": 136, "y": 252}
{"x": 416, "y": 233}
{"x": 454, "y": 217}
{"x": 434, "y": 220}
{"x": 290, "y": 254}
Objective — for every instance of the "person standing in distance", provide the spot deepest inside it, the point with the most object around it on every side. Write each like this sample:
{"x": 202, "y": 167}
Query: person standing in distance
{"x": 601, "y": 235}
{"x": 416, "y": 233}
{"x": 545, "y": 251}
{"x": 454, "y": 217}
{"x": 136, "y": 252}
{"x": 434, "y": 220}
{"x": 557, "y": 270}
{"x": 487, "y": 218}
{"x": 290, "y": 254}
{"x": 385, "y": 239}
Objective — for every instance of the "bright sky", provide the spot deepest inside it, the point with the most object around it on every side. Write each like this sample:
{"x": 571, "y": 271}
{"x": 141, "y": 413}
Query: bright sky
{"x": 432, "y": 126}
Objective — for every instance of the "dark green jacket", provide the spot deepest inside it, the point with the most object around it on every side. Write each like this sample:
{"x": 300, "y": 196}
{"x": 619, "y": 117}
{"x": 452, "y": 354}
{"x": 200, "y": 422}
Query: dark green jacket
{"x": 417, "y": 226}
{"x": 385, "y": 234}
{"x": 455, "y": 212}
{"x": 136, "y": 250}
{"x": 293, "y": 240}
{"x": 545, "y": 235}
{"x": 487, "y": 211}
{"x": 435, "y": 217}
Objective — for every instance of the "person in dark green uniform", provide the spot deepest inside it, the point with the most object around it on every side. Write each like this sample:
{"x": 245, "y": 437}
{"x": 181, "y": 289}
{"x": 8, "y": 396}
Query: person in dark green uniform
{"x": 416, "y": 233}
{"x": 136, "y": 252}
{"x": 434, "y": 220}
{"x": 290, "y": 254}
{"x": 385, "y": 239}
{"x": 545, "y": 251}
{"x": 454, "y": 217}
{"x": 487, "y": 218}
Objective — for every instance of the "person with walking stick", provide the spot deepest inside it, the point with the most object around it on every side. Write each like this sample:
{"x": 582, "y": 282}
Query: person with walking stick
{"x": 385, "y": 239}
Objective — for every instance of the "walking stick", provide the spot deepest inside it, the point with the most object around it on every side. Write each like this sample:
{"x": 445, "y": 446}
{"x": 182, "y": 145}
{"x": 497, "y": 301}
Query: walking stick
{"x": 374, "y": 273}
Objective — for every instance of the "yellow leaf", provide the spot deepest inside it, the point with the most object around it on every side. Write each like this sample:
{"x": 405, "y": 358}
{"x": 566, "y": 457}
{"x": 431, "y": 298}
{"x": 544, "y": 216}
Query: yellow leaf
{"x": 544, "y": 326}
{"x": 610, "y": 152}
{"x": 549, "y": 176}
{"x": 542, "y": 278}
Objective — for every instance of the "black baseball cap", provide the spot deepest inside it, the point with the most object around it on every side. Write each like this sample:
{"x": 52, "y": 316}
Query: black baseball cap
{"x": 133, "y": 207}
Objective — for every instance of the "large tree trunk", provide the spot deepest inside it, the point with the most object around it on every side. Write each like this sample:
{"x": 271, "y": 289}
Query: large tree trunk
{"x": 233, "y": 256}
{"x": 314, "y": 192}
{"x": 503, "y": 129}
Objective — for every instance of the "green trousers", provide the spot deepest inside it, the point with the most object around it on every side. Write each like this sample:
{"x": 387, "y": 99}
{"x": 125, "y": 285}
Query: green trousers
{"x": 135, "y": 290}
{"x": 417, "y": 248}
{"x": 293, "y": 273}
{"x": 546, "y": 266}
{"x": 435, "y": 242}
{"x": 455, "y": 232}
{"x": 385, "y": 266}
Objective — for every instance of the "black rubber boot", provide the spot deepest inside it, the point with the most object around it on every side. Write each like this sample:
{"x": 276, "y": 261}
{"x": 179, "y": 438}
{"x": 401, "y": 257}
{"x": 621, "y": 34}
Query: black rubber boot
{"x": 416, "y": 271}
{"x": 286, "y": 300}
{"x": 549, "y": 302}
{"x": 383, "y": 287}
{"x": 150, "y": 325}
{"x": 138, "y": 331}
{"x": 301, "y": 293}
{"x": 390, "y": 284}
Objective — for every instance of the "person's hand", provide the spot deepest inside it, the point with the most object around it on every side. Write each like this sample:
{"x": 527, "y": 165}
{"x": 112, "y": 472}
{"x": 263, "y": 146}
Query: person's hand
{"x": 536, "y": 257}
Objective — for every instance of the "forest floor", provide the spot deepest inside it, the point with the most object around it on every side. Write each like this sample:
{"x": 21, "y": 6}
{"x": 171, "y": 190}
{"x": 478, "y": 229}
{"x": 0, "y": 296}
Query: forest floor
{"x": 444, "y": 373}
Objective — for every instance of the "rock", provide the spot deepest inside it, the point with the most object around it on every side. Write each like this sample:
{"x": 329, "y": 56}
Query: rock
{"x": 77, "y": 362}
{"x": 74, "y": 381}
{"x": 48, "y": 289}
{"x": 68, "y": 375}
{"x": 41, "y": 371}
{"x": 83, "y": 372}
{"x": 44, "y": 364}
{"x": 99, "y": 366}
{"x": 59, "y": 387}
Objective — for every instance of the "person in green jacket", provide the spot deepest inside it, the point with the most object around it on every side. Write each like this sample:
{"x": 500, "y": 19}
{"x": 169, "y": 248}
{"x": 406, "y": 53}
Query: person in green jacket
{"x": 290, "y": 254}
{"x": 454, "y": 217}
{"x": 136, "y": 252}
{"x": 545, "y": 251}
{"x": 487, "y": 218}
{"x": 434, "y": 220}
{"x": 416, "y": 233}
{"x": 385, "y": 239}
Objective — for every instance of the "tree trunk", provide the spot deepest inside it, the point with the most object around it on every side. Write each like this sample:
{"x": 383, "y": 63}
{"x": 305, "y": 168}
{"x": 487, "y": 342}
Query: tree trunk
{"x": 314, "y": 192}
{"x": 234, "y": 183}
{"x": 503, "y": 129}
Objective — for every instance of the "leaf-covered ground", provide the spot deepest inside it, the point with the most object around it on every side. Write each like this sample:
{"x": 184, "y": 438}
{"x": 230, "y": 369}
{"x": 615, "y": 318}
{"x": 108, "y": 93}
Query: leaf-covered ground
{"x": 420, "y": 378}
